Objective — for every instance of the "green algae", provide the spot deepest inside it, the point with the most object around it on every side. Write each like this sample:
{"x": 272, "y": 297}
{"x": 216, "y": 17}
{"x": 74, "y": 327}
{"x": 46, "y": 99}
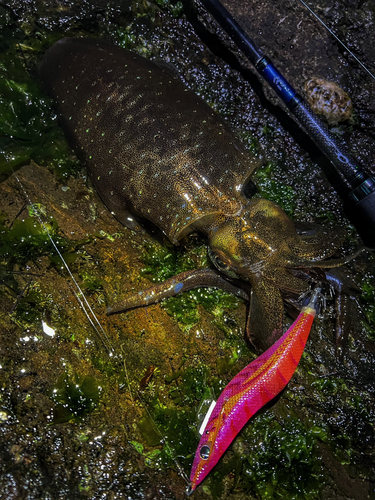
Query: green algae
{"x": 25, "y": 111}
{"x": 74, "y": 397}
{"x": 350, "y": 425}
{"x": 266, "y": 482}
{"x": 163, "y": 262}
{"x": 27, "y": 239}
{"x": 273, "y": 458}
{"x": 151, "y": 457}
{"x": 173, "y": 7}
{"x": 129, "y": 39}
{"x": 91, "y": 283}
{"x": 8, "y": 279}
{"x": 268, "y": 188}
{"x": 31, "y": 307}
{"x": 190, "y": 387}
{"x": 251, "y": 142}
{"x": 368, "y": 298}
{"x": 133, "y": 37}
{"x": 111, "y": 237}
{"x": 171, "y": 423}
{"x": 226, "y": 363}
{"x": 28, "y": 126}
{"x": 183, "y": 308}
{"x": 23, "y": 244}
{"x": 328, "y": 385}
{"x": 284, "y": 461}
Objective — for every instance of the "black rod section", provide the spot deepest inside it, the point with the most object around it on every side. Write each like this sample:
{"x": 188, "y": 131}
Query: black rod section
{"x": 361, "y": 187}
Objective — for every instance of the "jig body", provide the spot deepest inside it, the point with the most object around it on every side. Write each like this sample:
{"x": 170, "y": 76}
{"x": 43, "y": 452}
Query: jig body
{"x": 253, "y": 387}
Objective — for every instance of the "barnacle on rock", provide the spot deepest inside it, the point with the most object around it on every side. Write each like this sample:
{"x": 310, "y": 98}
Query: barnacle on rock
{"x": 329, "y": 100}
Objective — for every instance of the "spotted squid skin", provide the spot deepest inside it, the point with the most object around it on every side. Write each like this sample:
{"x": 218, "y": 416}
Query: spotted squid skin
{"x": 151, "y": 146}
{"x": 154, "y": 149}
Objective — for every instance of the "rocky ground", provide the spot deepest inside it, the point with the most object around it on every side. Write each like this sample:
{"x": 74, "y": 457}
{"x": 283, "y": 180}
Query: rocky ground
{"x": 105, "y": 406}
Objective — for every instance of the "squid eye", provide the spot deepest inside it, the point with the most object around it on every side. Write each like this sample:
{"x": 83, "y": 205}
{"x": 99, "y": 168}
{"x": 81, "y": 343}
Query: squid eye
{"x": 219, "y": 264}
{"x": 204, "y": 452}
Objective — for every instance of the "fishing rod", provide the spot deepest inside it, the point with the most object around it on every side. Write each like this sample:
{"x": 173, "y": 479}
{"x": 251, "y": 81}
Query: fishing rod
{"x": 360, "y": 196}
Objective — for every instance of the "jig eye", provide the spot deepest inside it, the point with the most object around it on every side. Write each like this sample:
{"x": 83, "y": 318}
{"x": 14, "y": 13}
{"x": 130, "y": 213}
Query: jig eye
{"x": 219, "y": 264}
{"x": 204, "y": 452}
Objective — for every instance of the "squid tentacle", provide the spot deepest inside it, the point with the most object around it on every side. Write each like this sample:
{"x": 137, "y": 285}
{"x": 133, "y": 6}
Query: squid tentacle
{"x": 180, "y": 283}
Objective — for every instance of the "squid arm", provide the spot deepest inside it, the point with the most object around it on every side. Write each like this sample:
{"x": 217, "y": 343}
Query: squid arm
{"x": 250, "y": 390}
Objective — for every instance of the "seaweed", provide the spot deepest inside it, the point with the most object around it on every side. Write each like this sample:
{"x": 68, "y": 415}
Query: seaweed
{"x": 368, "y": 298}
{"x": 74, "y": 397}
{"x": 163, "y": 262}
{"x": 272, "y": 189}
{"x": 276, "y": 455}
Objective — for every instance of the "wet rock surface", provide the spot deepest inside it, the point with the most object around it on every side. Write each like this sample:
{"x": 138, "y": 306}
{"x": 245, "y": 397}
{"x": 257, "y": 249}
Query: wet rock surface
{"x": 73, "y": 420}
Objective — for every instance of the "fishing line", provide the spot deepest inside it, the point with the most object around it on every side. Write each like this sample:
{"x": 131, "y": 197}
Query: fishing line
{"x": 87, "y": 309}
{"x": 126, "y": 373}
{"x": 337, "y": 38}
{"x": 164, "y": 440}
